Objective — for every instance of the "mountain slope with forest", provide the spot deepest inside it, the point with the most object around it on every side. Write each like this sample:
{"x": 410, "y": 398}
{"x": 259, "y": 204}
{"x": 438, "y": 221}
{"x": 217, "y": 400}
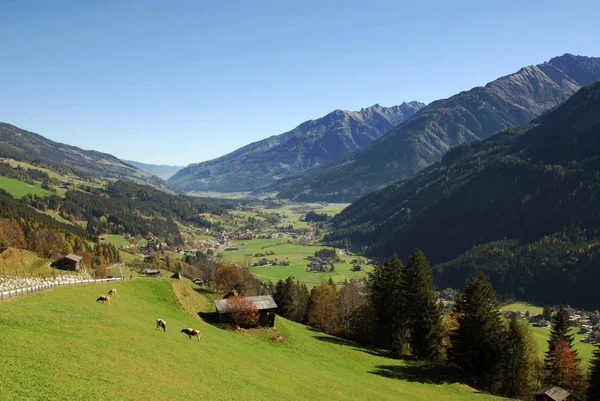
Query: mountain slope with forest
{"x": 310, "y": 144}
{"x": 90, "y": 161}
{"x": 531, "y": 185}
{"x": 469, "y": 116}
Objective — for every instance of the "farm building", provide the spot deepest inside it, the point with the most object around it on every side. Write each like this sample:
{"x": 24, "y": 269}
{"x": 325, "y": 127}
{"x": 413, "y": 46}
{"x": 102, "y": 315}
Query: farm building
{"x": 152, "y": 272}
{"x": 68, "y": 262}
{"x": 552, "y": 393}
{"x": 266, "y": 308}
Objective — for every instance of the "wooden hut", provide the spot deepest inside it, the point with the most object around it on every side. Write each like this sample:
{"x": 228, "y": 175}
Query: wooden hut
{"x": 266, "y": 308}
{"x": 152, "y": 272}
{"x": 552, "y": 393}
{"x": 68, "y": 262}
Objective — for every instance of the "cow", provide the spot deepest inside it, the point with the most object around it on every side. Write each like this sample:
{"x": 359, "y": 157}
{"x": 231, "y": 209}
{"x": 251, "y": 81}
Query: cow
{"x": 104, "y": 298}
{"x": 191, "y": 333}
{"x": 113, "y": 291}
{"x": 161, "y": 324}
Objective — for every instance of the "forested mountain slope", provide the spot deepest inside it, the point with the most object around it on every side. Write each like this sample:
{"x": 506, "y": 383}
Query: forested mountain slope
{"x": 162, "y": 171}
{"x": 476, "y": 114}
{"x": 90, "y": 161}
{"x": 310, "y": 144}
{"x": 521, "y": 184}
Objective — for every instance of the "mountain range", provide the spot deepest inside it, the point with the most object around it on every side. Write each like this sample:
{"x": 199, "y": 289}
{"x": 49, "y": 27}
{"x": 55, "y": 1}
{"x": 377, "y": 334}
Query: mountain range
{"x": 162, "y": 171}
{"x": 522, "y": 204}
{"x": 89, "y": 161}
{"x": 308, "y": 145}
{"x": 469, "y": 116}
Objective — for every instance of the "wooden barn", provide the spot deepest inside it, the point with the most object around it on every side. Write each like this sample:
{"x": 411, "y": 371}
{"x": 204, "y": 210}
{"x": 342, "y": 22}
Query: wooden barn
{"x": 68, "y": 262}
{"x": 552, "y": 393}
{"x": 152, "y": 272}
{"x": 266, "y": 308}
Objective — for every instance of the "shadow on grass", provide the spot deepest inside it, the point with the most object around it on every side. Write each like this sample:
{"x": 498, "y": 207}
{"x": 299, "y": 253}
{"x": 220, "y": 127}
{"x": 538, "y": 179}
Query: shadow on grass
{"x": 357, "y": 346}
{"x": 419, "y": 372}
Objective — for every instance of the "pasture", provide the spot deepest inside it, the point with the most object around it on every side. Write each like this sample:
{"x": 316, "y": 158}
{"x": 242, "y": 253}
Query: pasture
{"x": 22, "y": 261}
{"x": 116, "y": 240}
{"x": 293, "y": 253}
{"x": 523, "y": 307}
{"x": 18, "y": 189}
{"x": 60, "y": 344}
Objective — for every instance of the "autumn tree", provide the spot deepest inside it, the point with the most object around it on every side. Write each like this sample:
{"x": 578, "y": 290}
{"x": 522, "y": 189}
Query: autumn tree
{"x": 243, "y": 312}
{"x": 227, "y": 278}
{"x": 564, "y": 370}
{"x": 323, "y": 310}
{"x": 11, "y": 234}
{"x": 423, "y": 317}
{"x": 349, "y": 299}
{"x": 477, "y": 344}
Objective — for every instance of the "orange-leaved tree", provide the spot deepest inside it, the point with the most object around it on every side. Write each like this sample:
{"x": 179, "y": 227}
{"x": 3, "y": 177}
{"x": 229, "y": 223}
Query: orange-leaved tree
{"x": 243, "y": 311}
{"x": 227, "y": 278}
{"x": 564, "y": 369}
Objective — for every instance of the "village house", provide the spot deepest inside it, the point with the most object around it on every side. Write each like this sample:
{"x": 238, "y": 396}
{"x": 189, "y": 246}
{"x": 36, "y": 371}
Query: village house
{"x": 552, "y": 393}
{"x": 152, "y": 272}
{"x": 68, "y": 262}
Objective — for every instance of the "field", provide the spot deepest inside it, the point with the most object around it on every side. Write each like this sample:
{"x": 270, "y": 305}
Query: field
{"x": 293, "y": 253}
{"x": 542, "y": 334}
{"x": 18, "y": 189}
{"x": 93, "y": 351}
{"x": 292, "y": 211}
{"x": 116, "y": 240}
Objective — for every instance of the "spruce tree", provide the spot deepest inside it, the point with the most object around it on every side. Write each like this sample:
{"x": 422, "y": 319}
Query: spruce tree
{"x": 515, "y": 365}
{"x": 385, "y": 291}
{"x": 593, "y": 393}
{"x": 559, "y": 329}
{"x": 422, "y": 312}
{"x": 476, "y": 345}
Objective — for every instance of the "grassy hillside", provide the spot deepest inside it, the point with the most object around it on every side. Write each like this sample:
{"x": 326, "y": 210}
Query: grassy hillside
{"x": 19, "y": 189}
{"x": 23, "y": 261}
{"x": 60, "y": 344}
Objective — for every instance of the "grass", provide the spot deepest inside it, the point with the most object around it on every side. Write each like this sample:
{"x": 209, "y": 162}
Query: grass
{"x": 18, "y": 189}
{"x": 524, "y": 307}
{"x": 293, "y": 253}
{"x": 22, "y": 261}
{"x": 59, "y": 344}
{"x": 116, "y": 240}
{"x": 584, "y": 350}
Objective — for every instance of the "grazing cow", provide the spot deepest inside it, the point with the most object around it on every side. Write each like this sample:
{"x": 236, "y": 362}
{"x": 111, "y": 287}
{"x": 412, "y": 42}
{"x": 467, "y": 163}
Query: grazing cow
{"x": 112, "y": 291}
{"x": 191, "y": 333}
{"x": 104, "y": 298}
{"x": 161, "y": 324}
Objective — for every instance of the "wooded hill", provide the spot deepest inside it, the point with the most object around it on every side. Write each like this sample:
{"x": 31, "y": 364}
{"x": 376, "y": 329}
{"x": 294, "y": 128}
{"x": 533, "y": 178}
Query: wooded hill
{"x": 92, "y": 162}
{"x": 310, "y": 144}
{"x": 519, "y": 186}
{"x": 476, "y": 114}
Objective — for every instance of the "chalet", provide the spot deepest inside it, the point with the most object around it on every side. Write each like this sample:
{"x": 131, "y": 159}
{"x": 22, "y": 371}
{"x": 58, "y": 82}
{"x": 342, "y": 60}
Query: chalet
{"x": 152, "y": 272}
{"x": 232, "y": 248}
{"x": 266, "y": 308}
{"x": 552, "y": 393}
{"x": 68, "y": 262}
{"x": 284, "y": 263}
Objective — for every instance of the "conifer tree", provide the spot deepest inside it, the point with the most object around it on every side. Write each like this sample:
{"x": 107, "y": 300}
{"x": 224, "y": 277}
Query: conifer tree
{"x": 476, "y": 345}
{"x": 593, "y": 393}
{"x": 385, "y": 291}
{"x": 559, "y": 329}
{"x": 515, "y": 365}
{"x": 422, "y": 312}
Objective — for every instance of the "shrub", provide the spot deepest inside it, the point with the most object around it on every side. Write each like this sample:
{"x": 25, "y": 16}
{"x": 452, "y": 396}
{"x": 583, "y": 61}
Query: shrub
{"x": 243, "y": 312}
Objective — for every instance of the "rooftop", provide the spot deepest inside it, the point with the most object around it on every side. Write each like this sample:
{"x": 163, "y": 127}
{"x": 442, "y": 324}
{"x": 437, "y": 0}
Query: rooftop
{"x": 262, "y": 302}
{"x": 555, "y": 393}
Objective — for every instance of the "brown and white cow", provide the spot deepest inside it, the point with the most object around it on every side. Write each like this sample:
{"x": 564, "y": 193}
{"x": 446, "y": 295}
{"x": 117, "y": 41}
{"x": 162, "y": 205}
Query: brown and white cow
{"x": 161, "y": 324}
{"x": 191, "y": 333}
{"x": 113, "y": 291}
{"x": 104, "y": 298}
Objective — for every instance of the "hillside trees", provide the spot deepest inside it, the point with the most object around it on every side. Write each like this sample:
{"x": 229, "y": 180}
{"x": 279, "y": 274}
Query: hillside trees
{"x": 323, "y": 312}
{"x": 593, "y": 392}
{"x": 421, "y": 310}
{"x": 516, "y": 364}
{"x": 350, "y": 299}
{"x": 477, "y": 344}
{"x": 11, "y": 234}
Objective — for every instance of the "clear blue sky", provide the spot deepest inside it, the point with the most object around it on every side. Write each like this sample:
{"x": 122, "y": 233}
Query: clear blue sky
{"x": 178, "y": 82}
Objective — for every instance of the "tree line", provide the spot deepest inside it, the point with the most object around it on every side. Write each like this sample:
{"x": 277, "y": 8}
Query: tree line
{"x": 397, "y": 308}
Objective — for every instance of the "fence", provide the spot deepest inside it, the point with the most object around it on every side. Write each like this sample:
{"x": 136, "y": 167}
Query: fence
{"x": 43, "y": 286}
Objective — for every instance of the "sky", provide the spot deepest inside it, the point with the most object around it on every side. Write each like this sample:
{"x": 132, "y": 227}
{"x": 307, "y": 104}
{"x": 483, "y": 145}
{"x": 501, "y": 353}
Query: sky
{"x": 179, "y": 82}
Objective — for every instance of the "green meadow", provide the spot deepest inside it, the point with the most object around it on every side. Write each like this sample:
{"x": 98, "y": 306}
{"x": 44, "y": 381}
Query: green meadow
{"x": 296, "y": 255}
{"x": 60, "y": 344}
{"x": 18, "y": 189}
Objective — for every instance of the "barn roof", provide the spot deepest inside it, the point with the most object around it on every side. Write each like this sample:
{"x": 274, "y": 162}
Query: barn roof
{"x": 262, "y": 302}
{"x": 70, "y": 256}
{"x": 554, "y": 393}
